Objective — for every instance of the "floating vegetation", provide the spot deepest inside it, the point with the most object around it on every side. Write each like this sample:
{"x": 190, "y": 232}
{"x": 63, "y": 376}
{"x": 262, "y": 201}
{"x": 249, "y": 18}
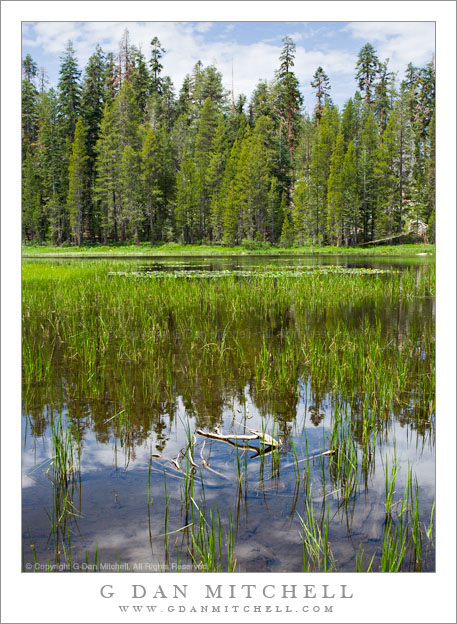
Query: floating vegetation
{"x": 187, "y": 272}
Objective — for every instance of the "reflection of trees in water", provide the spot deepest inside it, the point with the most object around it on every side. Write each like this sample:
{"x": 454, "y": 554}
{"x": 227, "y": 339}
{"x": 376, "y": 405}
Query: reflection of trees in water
{"x": 268, "y": 352}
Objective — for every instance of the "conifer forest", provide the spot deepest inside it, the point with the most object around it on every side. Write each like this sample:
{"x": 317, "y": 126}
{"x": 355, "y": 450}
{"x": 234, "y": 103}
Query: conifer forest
{"x": 117, "y": 152}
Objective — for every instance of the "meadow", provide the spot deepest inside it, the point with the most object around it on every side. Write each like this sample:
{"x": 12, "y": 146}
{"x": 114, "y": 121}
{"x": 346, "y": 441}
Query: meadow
{"x": 247, "y": 248}
{"x": 270, "y": 416}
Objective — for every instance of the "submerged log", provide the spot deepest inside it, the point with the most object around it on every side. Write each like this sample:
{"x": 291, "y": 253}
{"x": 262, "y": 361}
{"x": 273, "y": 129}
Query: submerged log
{"x": 254, "y": 435}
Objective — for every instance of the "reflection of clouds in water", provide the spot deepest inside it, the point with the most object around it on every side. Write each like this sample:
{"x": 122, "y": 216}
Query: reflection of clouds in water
{"x": 133, "y": 546}
{"x": 31, "y": 458}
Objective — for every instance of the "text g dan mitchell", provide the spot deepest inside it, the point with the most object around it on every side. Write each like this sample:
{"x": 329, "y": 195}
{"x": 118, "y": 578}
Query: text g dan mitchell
{"x": 212, "y": 593}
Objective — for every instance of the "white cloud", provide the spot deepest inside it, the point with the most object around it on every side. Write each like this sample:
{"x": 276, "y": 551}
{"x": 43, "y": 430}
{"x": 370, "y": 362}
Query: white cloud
{"x": 186, "y": 43}
{"x": 203, "y": 27}
{"x": 401, "y": 42}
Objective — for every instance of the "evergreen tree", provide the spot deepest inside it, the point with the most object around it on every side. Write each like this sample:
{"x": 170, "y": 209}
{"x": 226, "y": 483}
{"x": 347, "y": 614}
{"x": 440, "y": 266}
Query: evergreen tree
{"x": 387, "y": 180}
{"x": 69, "y": 92}
{"x": 290, "y": 98}
{"x": 140, "y": 80}
{"x": 78, "y": 178}
{"x": 276, "y": 211}
{"x": 107, "y": 166}
{"x": 223, "y": 226}
{"x": 202, "y": 156}
{"x": 214, "y": 174}
{"x": 119, "y": 156}
{"x": 287, "y": 232}
{"x": 367, "y": 154}
{"x": 92, "y": 98}
{"x": 52, "y": 149}
{"x": 156, "y": 67}
{"x": 335, "y": 194}
{"x": 130, "y": 183}
{"x": 322, "y": 147}
{"x": 125, "y": 59}
{"x": 383, "y": 94}
{"x": 246, "y": 215}
{"x": 110, "y": 79}
{"x": 351, "y": 201}
{"x": 262, "y": 103}
{"x": 29, "y": 105}
{"x": 367, "y": 69}
{"x": 430, "y": 180}
{"x": 151, "y": 173}
{"x": 321, "y": 83}
{"x": 34, "y": 222}
{"x": 187, "y": 202}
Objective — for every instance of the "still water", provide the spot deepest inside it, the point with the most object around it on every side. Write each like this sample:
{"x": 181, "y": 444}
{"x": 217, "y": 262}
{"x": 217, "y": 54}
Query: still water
{"x": 134, "y": 499}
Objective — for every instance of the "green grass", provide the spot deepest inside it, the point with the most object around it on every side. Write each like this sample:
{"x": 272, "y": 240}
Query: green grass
{"x": 137, "y": 345}
{"x": 175, "y": 249}
{"x": 149, "y": 341}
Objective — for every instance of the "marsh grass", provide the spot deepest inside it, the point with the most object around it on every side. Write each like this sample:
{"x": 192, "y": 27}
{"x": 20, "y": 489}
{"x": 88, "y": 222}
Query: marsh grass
{"x": 129, "y": 350}
{"x": 316, "y": 549}
{"x": 171, "y": 249}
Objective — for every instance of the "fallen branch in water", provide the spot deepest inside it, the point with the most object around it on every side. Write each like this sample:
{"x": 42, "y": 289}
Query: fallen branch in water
{"x": 255, "y": 435}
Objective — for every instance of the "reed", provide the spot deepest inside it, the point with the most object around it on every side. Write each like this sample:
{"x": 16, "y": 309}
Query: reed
{"x": 129, "y": 351}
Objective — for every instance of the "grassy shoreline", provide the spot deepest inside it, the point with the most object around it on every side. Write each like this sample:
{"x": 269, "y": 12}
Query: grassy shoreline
{"x": 174, "y": 249}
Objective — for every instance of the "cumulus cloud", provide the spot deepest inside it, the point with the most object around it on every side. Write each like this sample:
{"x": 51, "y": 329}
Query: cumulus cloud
{"x": 401, "y": 42}
{"x": 333, "y": 46}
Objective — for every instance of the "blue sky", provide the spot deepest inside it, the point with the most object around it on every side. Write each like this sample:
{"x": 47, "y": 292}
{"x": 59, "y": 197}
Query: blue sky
{"x": 253, "y": 46}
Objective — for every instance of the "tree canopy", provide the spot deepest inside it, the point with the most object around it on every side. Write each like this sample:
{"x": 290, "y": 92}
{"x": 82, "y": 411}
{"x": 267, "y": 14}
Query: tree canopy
{"x": 116, "y": 153}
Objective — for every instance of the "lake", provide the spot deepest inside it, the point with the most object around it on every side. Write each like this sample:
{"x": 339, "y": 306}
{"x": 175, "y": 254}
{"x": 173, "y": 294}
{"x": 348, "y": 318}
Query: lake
{"x": 140, "y": 376}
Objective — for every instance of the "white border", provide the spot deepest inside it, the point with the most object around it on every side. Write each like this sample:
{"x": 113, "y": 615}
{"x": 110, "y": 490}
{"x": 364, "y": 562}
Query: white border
{"x": 377, "y": 598}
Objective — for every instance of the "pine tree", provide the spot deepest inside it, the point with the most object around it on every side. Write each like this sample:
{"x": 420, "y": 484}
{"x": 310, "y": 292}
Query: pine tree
{"x": 261, "y": 103}
{"x": 351, "y": 201}
{"x": 119, "y": 156}
{"x": 221, "y": 205}
{"x": 92, "y": 102}
{"x": 276, "y": 210}
{"x": 335, "y": 194}
{"x": 156, "y": 67}
{"x": 107, "y": 166}
{"x": 301, "y": 211}
{"x": 322, "y": 147}
{"x": 251, "y": 185}
{"x": 69, "y": 92}
{"x": 287, "y": 232}
{"x": 321, "y": 83}
{"x": 54, "y": 167}
{"x": 127, "y": 118}
{"x": 34, "y": 221}
{"x": 387, "y": 179}
{"x": 125, "y": 59}
{"x": 78, "y": 178}
{"x": 202, "y": 155}
{"x": 290, "y": 98}
{"x": 110, "y": 79}
{"x": 151, "y": 173}
{"x": 369, "y": 141}
{"x": 367, "y": 69}
{"x": 384, "y": 94}
{"x": 214, "y": 174}
{"x": 187, "y": 202}
{"x": 132, "y": 213}
{"x": 29, "y": 105}
{"x": 430, "y": 180}
{"x": 140, "y": 80}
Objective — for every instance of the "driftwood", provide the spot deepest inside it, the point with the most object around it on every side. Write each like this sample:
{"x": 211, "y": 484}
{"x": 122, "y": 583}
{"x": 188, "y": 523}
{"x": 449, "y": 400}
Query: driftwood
{"x": 216, "y": 434}
{"x": 254, "y": 435}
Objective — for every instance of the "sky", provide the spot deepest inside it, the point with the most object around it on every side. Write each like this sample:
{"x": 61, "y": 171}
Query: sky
{"x": 252, "y": 47}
